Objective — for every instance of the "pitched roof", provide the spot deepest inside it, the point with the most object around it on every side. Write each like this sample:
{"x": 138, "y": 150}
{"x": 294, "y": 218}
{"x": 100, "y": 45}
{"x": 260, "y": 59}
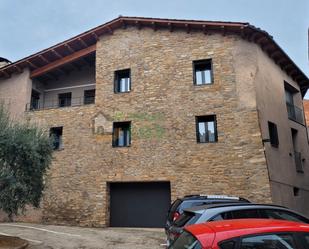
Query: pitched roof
{"x": 82, "y": 43}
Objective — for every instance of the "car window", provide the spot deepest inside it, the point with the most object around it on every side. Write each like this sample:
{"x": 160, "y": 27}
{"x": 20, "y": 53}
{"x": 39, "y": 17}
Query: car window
{"x": 173, "y": 208}
{"x": 269, "y": 241}
{"x": 282, "y": 215}
{"x": 183, "y": 219}
{"x": 189, "y": 204}
{"x": 246, "y": 213}
{"x": 187, "y": 218}
{"x": 306, "y": 239}
{"x": 228, "y": 245}
{"x": 237, "y": 214}
{"x": 186, "y": 241}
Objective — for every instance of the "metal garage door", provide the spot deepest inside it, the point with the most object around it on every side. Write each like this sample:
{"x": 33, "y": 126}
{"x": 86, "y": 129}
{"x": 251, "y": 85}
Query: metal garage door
{"x": 139, "y": 204}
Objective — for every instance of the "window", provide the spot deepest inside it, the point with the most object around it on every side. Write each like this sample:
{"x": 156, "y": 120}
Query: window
{"x": 186, "y": 240}
{"x": 273, "y": 134}
{"x": 296, "y": 191}
{"x": 228, "y": 244}
{"x": 35, "y": 100}
{"x": 237, "y": 214}
{"x": 294, "y": 112}
{"x": 289, "y": 97}
{"x": 186, "y": 218}
{"x": 306, "y": 239}
{"x": 245, "y": 214}
{"x": 89, "y": 96}
{"x": 282, "y": 215}
{"x": 297, "y": 154}
{"x": 203, "y": 72}
{"x": 121, "y": 134}
{"x": 122, "y": 81}
{"x": 56, "y": 134}
{"x": 65, "y": 99}
{"x": 206, "y": 129}
{"x": 269, "y": 241}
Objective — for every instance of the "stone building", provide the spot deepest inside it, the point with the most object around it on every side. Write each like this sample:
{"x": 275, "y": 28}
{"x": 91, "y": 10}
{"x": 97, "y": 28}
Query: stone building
{"x": 306, "y": 108}
{"x": 144, "y": 110}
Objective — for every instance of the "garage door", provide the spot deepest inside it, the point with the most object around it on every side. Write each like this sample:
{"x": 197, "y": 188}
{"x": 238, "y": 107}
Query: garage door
{"x": 139, "y": 204}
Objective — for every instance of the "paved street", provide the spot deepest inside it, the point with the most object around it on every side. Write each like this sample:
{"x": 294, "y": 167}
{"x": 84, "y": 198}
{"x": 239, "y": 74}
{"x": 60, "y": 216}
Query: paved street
{"x": 56, "y": 237}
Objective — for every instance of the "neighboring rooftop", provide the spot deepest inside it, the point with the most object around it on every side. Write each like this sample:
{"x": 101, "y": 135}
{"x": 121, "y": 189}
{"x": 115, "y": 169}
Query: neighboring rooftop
{"x": 84, "y": 44}
{"x": 4, "y": 60}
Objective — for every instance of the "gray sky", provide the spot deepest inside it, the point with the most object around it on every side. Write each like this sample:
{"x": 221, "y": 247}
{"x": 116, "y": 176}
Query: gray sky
{"x": 28, "y": 26}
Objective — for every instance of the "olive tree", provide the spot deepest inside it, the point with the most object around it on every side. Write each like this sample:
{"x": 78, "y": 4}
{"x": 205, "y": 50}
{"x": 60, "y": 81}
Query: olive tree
{"x": 25, "y": 155}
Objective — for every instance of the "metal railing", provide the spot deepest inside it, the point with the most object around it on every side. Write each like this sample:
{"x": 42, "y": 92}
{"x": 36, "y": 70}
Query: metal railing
{"x": 298, "y": 162}
{"x": 59, "y": 103}
{"x": 295, "y": 113}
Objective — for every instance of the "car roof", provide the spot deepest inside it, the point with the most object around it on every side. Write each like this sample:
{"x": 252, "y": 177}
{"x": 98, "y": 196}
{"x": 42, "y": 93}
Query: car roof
{"x": 227, "y": 229}
{"x": 232, "y": 204}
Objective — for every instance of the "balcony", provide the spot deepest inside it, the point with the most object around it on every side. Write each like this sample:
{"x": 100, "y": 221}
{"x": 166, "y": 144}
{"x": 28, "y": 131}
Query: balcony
{"x": 294, "y": 113}
{"x": 59, "y": 103}
{"x": 298, "y": 162}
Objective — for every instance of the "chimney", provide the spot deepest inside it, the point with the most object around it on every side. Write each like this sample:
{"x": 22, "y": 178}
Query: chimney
{"x": 4, "y": 62}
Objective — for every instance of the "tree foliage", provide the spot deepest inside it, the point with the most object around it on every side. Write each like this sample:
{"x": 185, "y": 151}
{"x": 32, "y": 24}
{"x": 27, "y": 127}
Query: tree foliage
{"x": 25, "y": 154}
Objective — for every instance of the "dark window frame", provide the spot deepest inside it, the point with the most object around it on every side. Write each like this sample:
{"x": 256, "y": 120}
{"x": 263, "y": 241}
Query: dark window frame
{"x": 35, "y": 100}
{"x": 115, "y": 144}
{"x": 66, "y": 103}
{"x": 57, "y": 144}
{"x": 273, "y": 134}
{"x": 197, "y": 128}
{"x": 87, "y": 98}
{"x": 296, "y": 191}
{"x": 197, "y": 63}
{"x": 117, "y": 78}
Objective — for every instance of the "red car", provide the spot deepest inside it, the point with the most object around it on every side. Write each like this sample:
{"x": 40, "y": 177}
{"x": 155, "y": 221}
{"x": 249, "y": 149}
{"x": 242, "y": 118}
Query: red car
{"x": 245, "y": 234}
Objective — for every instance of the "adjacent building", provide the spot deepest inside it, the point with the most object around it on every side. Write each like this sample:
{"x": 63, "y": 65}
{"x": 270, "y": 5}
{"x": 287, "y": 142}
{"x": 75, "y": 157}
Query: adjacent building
{"x": 144, "y": 110}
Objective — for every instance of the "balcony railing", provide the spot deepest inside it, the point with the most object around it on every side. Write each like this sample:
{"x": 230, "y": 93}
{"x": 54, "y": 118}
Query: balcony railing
{"x": 298, "y": 162}
{"x": 295, "y": 113}
{"x": 58, "y": 103}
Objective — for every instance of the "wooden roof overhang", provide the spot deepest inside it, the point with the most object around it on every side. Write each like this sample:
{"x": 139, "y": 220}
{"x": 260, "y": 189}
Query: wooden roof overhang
{"x": 84, "y": 45}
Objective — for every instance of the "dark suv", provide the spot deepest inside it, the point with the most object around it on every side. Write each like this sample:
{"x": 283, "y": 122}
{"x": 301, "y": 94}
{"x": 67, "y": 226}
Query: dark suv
{"x": 226, "y": 211}
{"x": 189, "y": 201}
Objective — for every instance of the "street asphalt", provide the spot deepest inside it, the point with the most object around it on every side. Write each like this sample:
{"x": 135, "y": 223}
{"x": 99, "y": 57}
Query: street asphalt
{"x": 62, "y": 237}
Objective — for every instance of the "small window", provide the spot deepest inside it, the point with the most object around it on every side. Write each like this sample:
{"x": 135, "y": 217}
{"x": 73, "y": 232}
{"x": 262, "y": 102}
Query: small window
{"x": 203, "y": 72}
{"x": 65, "y": 99}
{"x": 296, "y": 191}
{"x": 35, "y": 100}
{"x": 273, "y": 134}
{"x": 56, "y": 134}
{"x": 89, "y": 96}
{"x": 206, "y": 129}
{"x": 121, "y": 134}
{"x": 122, "y": 81}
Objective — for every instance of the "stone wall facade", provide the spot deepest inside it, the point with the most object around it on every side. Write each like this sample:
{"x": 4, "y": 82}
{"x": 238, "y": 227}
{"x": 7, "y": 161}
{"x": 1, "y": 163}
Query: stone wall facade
{"x": 162, "y": 107}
